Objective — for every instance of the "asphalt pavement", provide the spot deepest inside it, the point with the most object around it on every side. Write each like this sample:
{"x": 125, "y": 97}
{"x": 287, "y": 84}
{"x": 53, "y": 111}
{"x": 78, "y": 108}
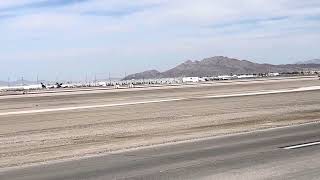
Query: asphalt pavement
{"x": 255, "y": 155}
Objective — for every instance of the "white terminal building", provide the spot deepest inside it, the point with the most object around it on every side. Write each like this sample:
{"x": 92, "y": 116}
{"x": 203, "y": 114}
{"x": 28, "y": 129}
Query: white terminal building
{"x": 193, "y": 79}
{"x": 273, "y": 74}
{"x": 190, "y": 79}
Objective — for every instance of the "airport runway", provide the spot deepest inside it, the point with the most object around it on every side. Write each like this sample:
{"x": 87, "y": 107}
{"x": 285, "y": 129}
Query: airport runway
{"x": 41, "y": 129}
{"x": 257, "y": 155}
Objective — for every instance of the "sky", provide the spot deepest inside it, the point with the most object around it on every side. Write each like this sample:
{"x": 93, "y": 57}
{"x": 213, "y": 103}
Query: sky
{"x": 75, "y": 39}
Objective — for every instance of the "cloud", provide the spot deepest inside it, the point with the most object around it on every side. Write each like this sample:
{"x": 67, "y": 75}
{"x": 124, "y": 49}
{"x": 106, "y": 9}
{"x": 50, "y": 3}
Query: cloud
{"x": 162, "y": 31}
{"x": 14, "y": 5}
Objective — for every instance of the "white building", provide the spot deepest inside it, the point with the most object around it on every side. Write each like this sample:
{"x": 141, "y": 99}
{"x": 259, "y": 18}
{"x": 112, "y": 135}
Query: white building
{"x": 246, "y": 76}
{"x": 190, "y": 79}
{"x": 21, "y": 88}
{"x": 224, "y": 77}
{"x": 273, "y": 74}
{"x": 101, "y": 83}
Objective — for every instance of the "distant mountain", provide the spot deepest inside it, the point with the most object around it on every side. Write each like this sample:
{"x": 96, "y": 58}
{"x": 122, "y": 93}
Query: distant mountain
{"x": 20, "y": 82}
{"x": 146, "y": 74}
{"x": 220, "y": 65}
{"x": 312, "y": 61}
{"x": 13, "y": 83}
{"x": 2, "y": 83}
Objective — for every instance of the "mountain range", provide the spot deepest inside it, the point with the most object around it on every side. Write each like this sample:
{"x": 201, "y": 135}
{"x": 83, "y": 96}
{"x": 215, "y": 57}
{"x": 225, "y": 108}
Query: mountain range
{"x": 220, "y": 65}
{"x": 14, "y": 83}
{"x": 312, "y": 61}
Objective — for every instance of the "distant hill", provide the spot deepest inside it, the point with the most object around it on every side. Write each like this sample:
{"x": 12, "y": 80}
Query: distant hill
{"x": 220, "y": 65}
{"x": 19, "y": 82}
{"x": 2, "y": 83}
{"x": 312, "y": 61}
{"x": 146, "y": 74}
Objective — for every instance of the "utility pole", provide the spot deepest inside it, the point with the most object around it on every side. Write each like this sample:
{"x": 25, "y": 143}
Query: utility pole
{"x": 37, "y": 78}
{"x": 22, "y": 81}
{"x": 125, "y": 75}
{"x": 8, "y": 81}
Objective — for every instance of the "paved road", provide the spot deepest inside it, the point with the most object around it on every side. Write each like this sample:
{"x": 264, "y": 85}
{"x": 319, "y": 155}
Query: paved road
{"x": 258, "y": 155}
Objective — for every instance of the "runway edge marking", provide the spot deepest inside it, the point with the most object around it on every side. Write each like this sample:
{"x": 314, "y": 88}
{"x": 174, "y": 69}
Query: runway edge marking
{"x": 298, "y": 146}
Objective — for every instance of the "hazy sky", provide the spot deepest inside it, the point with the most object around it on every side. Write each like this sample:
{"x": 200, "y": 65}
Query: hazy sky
{"x": 67, "y": 39}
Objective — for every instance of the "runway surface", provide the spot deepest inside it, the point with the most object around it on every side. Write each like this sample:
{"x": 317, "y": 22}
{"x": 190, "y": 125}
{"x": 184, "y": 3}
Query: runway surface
{"x": 80, "y": 129}
{"x": 258, "y": 155}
